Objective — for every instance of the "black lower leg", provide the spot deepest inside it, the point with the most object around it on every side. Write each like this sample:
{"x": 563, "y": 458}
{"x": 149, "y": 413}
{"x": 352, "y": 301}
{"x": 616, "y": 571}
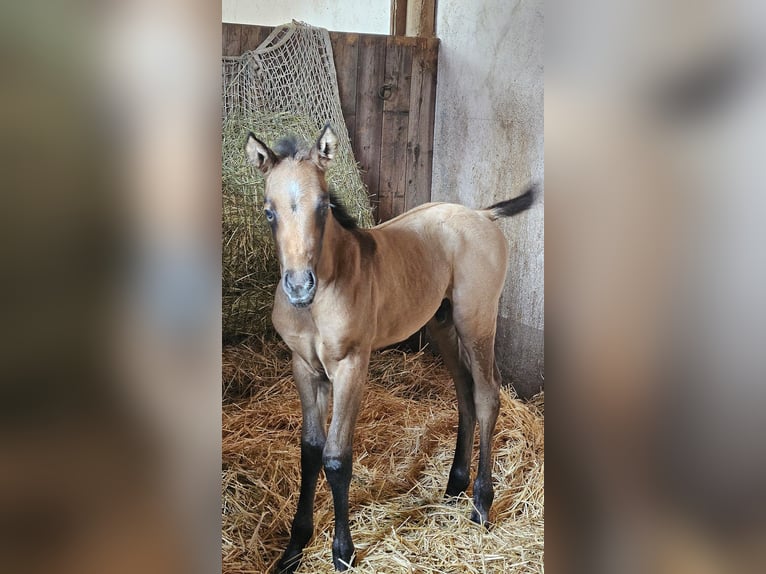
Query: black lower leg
{"x": 445, "y": 334}
{"x": 338, "y": 472}
{"x": 459, "y": 475}
{"x": 483, "y": 495}
{"x": 303, "y": 523}
{"x": 483, "y": 491}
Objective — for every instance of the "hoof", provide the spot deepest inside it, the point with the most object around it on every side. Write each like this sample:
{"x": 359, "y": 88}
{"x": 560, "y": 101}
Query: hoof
{"x": 454, "y": 492}
{"x": 289, "y": 562}
{"x": 342, "y": 565}
{"x": 342, "y": 555}
{"x": 451, "y": 498}
{"x": 481, "y": 521}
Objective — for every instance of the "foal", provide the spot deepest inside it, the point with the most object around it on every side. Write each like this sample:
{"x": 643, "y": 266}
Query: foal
{"x": 345, "y": 292}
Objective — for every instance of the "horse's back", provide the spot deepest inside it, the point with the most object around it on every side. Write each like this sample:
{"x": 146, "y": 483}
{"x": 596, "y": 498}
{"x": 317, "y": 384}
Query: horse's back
{"x": 462, "y": 232}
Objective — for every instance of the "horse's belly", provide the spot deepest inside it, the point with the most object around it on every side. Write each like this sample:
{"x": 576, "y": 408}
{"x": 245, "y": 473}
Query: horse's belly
{"x": 408, "y": 293}
{"x": 402, "y": 319}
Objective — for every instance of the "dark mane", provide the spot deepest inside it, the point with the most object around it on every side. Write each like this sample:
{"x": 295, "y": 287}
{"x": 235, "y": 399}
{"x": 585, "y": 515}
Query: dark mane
{"x": 340, "y": 214}
{"x": 291, "y": 146}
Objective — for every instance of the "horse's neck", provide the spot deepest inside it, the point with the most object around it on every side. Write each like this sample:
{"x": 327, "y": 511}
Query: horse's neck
{"x": 340, "y": 252}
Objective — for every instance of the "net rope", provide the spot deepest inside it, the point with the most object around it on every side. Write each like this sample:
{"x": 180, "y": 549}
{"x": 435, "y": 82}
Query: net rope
{"x": 291, "y": 71}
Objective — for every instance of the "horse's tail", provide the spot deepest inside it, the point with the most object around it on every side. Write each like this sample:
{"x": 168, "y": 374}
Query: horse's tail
{"x": 513, "y": 206}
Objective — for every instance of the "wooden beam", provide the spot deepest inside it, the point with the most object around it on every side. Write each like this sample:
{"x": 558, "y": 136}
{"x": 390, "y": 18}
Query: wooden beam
{"x": 421, "y": 18}
{"x": 427, "y": 28}
{"x": 398, "y": 17}
{"x": 231, "y": 39}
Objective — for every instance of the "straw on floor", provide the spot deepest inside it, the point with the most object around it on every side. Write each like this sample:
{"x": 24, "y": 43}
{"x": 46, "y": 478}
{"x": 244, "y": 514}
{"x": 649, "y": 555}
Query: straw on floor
{"x": 403, "y": 448}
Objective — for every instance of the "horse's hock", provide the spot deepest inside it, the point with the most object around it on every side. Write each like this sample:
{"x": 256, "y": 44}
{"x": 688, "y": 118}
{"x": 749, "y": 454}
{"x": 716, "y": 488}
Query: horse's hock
{"x": 287, "y": 85}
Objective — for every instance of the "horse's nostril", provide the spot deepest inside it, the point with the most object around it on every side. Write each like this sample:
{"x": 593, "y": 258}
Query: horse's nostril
{"x": 311, "y": 280}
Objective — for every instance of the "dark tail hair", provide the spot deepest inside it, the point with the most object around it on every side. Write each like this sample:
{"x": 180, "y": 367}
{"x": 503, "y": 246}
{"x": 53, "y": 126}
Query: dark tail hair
{"x": 513, "y": 206}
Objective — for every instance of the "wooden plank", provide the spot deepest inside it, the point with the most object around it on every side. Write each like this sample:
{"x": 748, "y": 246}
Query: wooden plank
{"x": 421, "y": 18}
{"x": 432, "y": 47}
{"x": 369, "y": 111}
{"x": 252, "y": 36}
{"x": 345, "y": 48}
{"x": 399, "y": 17}
{"x": 420, "y": 137}
{"x": 427, "y": 23}
{"x": 230, "y": 37}
{"x": 393, "y": 156}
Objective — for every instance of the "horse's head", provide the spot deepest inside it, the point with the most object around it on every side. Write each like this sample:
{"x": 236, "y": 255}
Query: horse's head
{"x": 296, "y": 205}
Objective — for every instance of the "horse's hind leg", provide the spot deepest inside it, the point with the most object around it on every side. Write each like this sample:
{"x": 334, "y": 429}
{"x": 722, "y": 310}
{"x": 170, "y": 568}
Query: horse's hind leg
{"x": 475, "y": 320}
{"x": 314, "y": 391}
{"x": 486, "y": 397}
{"x": 443, "y": 331}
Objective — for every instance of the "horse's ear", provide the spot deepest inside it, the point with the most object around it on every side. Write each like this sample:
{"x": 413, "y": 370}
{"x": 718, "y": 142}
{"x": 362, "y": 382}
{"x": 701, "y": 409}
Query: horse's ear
{"x": 259, "y": 154}
{"x": 327, "y": 145}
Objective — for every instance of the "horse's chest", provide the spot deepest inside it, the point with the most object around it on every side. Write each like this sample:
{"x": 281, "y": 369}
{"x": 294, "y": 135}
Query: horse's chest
{"x": 321, "y": 355}
{"x": 301, "y": 342}
{"x": 321, "y": 352}
{"x": 321, "y": 343}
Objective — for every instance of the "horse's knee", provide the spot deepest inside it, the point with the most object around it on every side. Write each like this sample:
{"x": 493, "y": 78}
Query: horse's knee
{"x": 337, "y": 468}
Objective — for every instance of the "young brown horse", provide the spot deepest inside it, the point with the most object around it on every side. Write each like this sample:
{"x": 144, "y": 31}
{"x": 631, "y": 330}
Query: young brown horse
{"x": 345, "y": 292}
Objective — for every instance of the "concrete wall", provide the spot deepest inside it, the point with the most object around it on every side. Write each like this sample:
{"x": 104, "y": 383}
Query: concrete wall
{"x": 488, "y": 144}
{"x": 343, "y": 15}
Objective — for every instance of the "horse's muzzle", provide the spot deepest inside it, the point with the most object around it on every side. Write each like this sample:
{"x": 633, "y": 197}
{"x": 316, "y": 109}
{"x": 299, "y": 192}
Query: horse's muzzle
{"x": 300, "y": 287}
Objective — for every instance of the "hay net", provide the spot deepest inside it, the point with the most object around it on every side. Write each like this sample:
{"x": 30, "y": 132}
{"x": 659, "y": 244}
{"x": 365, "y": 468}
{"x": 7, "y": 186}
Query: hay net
{"x": 286, "y": 86}
{"x": 291, "y": 71}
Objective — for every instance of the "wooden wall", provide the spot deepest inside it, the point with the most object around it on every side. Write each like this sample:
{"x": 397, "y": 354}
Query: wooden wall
{"x": 387, "y": 90}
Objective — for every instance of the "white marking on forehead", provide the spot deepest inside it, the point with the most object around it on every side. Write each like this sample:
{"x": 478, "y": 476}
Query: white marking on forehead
{"x": 295, "y": 191}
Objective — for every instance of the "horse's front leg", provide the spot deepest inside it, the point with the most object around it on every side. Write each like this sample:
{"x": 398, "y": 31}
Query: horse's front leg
{"x": 313, "y": 388}
{"x": 349, "y": 376}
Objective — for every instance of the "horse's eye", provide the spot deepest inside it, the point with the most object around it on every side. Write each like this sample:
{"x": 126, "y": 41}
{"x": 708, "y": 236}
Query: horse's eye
{"x": 269, "y": 214}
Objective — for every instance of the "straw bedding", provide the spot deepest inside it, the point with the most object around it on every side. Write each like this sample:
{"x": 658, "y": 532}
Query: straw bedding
{"x": 403, "y": 448}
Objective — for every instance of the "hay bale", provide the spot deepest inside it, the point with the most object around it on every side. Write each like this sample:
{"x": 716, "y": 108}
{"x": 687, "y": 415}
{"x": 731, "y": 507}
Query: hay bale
{"x": 403, "y": 448}
{"x": 250, "y": 269}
